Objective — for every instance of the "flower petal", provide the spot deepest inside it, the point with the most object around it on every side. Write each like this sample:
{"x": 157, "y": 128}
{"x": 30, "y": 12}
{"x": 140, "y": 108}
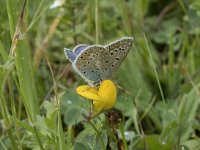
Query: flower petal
{"x": 103, "y": 98}
{"x": 88, "y": 92}
{"x": 108, "y": 92}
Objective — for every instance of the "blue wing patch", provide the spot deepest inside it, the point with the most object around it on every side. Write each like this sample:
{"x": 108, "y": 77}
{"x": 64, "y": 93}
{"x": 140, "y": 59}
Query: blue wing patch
{"x": 79, "y": 48}
{"x": 70, "y": 54}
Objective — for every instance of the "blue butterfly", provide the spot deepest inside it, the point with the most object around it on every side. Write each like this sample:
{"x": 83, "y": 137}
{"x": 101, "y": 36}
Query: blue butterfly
{"x": 95, "y": 63}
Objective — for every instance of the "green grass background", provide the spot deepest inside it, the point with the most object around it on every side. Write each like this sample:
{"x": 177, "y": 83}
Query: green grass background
{"x": 160, "y": 77}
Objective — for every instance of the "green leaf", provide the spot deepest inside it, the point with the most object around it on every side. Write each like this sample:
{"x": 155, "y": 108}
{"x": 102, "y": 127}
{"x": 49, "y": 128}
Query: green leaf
{"x": 3, "y": 52}
{"x": 90, "y": 137}
{"x": 169, "y": 131}
{"x": 50, "y": 109}
{"x": 193, "y": 144}
{"x": 129, "y": 135}
{"x": 81, "y": 146}
{"x": 187, "y": 112}
{"x": 153, "y": 143}
{"x": 72, "y": 107}
{"x": 168, "y": 117}
{"x": 71, "y": 99}
{"x": 193, "y": 21}
{"x": 72, "y": 116}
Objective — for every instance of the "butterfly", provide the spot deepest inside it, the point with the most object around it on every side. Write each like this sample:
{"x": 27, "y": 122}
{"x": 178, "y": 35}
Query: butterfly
{"x": 95, "y": 63}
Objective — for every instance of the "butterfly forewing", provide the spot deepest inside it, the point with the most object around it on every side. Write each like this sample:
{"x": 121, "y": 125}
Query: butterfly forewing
{"x": 118, "y": 51}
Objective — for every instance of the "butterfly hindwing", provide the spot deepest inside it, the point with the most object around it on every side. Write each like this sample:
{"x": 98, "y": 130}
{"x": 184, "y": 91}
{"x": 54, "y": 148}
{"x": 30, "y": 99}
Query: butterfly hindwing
{"x": 90, "y": 64}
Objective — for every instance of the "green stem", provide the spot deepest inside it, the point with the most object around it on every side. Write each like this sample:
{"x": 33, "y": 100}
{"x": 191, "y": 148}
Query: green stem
{"x": 62, "y": 145}
{"x": 96, "y": 21}
{"x": 154, "y": 68}
{"x": 69, "y": 136}
{"x": 123, "y": 136}
{"x": 98, "y": 134}
{"x": 182, "y": 6}
{"x": 7, "y": 121}
{"x": 11, "y": 137}
{"x": 171, "y": 62}
{"x": 38, "y": 138}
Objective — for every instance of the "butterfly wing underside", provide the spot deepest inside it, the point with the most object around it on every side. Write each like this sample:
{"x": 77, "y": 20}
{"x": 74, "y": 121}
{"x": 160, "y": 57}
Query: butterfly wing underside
{"x": 118, "y": 50}
{"x": 96, "y": 62}
{"x": 92, "y": 64}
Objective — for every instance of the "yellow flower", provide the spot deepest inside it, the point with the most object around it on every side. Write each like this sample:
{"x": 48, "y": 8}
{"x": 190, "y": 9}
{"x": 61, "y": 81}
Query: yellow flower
{"x": 103, "y": 97}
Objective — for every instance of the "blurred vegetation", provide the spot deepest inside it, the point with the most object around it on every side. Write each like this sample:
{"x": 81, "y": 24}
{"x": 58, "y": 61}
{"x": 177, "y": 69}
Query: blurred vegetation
{"x": 160, "y": 78}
